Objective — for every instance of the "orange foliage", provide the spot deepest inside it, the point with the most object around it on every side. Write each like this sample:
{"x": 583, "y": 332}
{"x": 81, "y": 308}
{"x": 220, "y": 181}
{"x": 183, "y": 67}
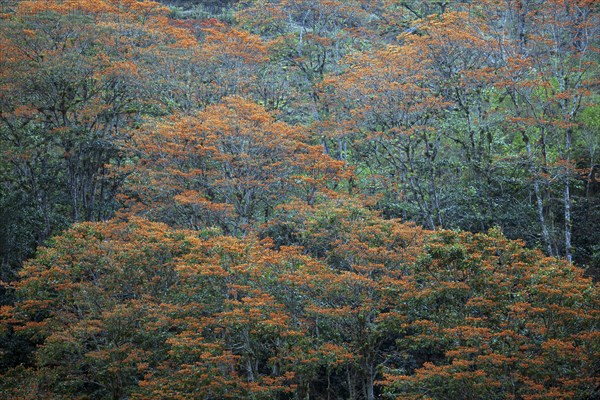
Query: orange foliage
{"x": 230, "y": 165}
{"x": 149, "y": 311}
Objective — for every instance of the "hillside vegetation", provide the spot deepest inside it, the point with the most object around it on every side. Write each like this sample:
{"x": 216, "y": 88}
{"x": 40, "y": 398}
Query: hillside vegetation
{"x": 312, "y": 199}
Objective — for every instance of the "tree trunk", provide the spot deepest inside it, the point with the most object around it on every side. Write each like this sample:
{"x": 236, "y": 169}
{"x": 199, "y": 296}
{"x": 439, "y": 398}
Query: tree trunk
{"x": 370, "y": 389}
{"x": 567, "y": 198}
{"x": 538, "y": 197}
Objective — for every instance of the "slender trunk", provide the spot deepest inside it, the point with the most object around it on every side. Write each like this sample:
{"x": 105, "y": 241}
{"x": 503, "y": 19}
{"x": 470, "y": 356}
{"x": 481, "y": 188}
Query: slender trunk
{"x": 325, "y": 146}
{"x": 538, "y": 197}
{"x": 249, "y": 370}
{"x": 567, "y": 198}
{"x": 432, "y": 154}
{"x": 370, "y": 382}
{"x": 350, "y": 383}
{"x": 540, "y": 211}
{"x": 568, "y": 222}
{"x": 417, "y": 188}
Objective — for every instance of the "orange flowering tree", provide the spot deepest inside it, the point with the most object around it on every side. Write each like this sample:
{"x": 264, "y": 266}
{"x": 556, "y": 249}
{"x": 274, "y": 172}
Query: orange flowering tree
{"x": 226, "y": 62}
{"x": 488, "y": 319}
{"x": 123, "y": 309}
{"x": 138, "y": 309}
{"x": 228, "y": 166}
{"x": 91, "y": 302}
{"x": 384, "y": 110}
{"x": 74, "y": 79}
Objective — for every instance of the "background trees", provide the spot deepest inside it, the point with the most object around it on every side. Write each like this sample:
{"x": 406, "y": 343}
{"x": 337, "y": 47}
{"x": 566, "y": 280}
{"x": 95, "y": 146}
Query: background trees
{"x": 464, "y": 121}
{"x": 462, "y": 115}
{"x": 224, "y": 184}
{"x": 74, "y": 80}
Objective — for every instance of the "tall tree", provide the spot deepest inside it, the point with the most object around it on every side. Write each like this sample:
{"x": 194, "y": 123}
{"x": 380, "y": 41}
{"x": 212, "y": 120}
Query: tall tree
{"x": 227, "y": 166}
{"x": 555, "y": 41}
{"x": 73, "y": 83}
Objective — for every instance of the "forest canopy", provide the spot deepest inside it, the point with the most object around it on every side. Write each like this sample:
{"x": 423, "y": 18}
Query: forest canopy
{"x": 312, "y": 199}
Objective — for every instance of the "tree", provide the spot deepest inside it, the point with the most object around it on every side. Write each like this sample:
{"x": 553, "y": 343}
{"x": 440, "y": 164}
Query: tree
{"x": 556, "y": 41}
{"x": 346, "y": 306}
{"x": 73, "y": 83}
{"x": 226, "y": 62}
{"x": 138, "y": 309}
{"x": 386, "y": 107}
{"x": 114, "y": 304}
{"x": 91, "y": 302}
{"x": 228, "y": 166}
{"x": 307, "y": 40}
{"x": 489, "y": 319}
